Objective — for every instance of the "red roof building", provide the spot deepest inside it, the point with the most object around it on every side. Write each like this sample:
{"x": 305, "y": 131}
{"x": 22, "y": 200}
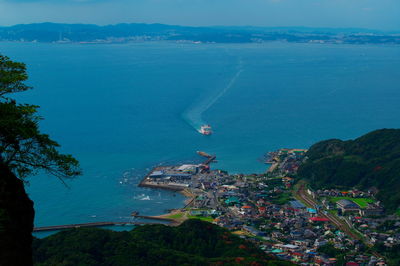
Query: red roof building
{"x": 319, "y": 219}
{"x": 351, "y": 263}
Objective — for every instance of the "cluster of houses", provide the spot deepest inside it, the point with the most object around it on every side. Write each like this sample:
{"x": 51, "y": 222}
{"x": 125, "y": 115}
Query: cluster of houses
{"x": 261, "y": 208}
{"x": 351, "y": 193}
{"x": 285, "y": 161}
{"x": 385, "y": 230}
{"x": 367, "y": 220}
{"x": 289, "y": 231}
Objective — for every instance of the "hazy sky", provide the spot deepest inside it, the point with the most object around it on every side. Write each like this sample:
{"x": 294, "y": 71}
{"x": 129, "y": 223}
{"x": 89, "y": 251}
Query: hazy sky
{"x": 375, "y": 14}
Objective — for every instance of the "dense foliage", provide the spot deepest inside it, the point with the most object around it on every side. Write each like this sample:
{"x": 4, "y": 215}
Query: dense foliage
{"x": 391, "y": 253}
{"x": 372, "y": 160}
{"x": 193, "y": 243}
{"x": 23, "y": 148}
{"x": 332, "y": 252}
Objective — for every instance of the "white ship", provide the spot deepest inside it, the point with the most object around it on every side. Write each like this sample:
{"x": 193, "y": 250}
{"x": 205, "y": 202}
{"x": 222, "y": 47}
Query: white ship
{"x": 205, "y": 130}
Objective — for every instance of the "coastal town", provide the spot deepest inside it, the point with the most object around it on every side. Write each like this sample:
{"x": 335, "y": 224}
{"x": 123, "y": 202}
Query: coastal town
{"x": 283, "y": 216}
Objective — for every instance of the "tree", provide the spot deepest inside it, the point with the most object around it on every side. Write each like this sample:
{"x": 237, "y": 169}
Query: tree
{"x": 23, "y": 148}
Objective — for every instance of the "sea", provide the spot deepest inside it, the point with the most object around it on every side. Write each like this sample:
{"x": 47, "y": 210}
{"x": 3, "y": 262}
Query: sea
{"x": 122, "y": 109}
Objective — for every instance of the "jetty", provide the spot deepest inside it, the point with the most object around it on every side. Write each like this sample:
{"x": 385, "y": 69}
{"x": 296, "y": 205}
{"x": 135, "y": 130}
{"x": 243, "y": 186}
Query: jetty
{"x": 204, "y": 154}
{"x": 153, "y": 218}
{"x": 210, "y": 160}
{"x": 95, "y": 224}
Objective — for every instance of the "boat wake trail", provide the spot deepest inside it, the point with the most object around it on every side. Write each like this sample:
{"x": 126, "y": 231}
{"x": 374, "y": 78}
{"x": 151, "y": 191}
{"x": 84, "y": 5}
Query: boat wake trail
{"x": 194, "y": 114}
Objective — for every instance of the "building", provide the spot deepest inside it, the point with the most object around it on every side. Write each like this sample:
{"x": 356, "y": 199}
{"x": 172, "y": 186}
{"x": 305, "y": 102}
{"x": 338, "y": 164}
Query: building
{"x": 253, "y": 231}
{"x": 347, "y": 206}
{"x": 372, "y": 210}
{"x": 295, "y": 204}
{"x": 232, "y": 201}
{"x": 188, "y": 168}
{"x": 157, "y": 174}
{"x": 318, "y": 219}
{"x": 312, "y": 211}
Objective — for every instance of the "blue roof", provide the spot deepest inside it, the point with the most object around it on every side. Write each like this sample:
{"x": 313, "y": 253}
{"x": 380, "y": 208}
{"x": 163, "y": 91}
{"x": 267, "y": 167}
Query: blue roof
{"x": 297, "y": 204}
{"x": 347, "y": 203}
{"x": 312, "y": 210}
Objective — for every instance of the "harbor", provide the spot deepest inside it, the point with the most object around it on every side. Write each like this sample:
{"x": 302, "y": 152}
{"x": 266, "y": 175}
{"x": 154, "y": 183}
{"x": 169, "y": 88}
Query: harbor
{"x": 183, "y": 178}
{"x": 178, "y": 177}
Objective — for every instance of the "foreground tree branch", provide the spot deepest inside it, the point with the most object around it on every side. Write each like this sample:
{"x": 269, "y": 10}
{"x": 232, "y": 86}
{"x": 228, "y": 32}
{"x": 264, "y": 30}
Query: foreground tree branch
{"x": 23, "y": 148}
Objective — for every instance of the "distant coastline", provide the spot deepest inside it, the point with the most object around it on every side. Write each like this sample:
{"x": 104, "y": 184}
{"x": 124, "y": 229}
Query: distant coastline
{"x": 135, "y": 32}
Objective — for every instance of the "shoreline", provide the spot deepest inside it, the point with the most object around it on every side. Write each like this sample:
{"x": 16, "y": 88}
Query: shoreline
{"x": 190, "y": 197}
{"x": 180, "y": 213}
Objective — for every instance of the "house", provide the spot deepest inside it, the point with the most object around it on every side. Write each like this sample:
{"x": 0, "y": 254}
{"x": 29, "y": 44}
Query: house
{"x": 312, "y": 211}
{"x": 232, "y": 201}
{"x": 246, "y": 209}
{"x": 253, "y": 231}
{"x": 320, "y": 242}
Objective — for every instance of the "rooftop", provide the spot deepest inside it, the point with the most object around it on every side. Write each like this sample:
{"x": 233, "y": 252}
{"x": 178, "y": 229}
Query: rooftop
{"x": 297, "y": 204}
{"x": 347, "y": 203}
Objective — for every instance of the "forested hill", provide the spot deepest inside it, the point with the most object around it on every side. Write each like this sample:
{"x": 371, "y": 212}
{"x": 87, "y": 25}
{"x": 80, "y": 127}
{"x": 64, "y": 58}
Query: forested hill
{"x": 193, "y": 243}
{"x": 120, "y": 33}
{"x": 372, "y": 160}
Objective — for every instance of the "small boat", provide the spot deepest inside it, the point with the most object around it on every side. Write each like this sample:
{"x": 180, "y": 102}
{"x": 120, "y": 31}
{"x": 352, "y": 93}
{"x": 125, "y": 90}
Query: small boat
{"x": 205, "y": 130}
{"x": 135, "y": 213}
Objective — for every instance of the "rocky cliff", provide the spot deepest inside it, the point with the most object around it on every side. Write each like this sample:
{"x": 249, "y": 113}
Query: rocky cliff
{"x": 16, "y": 221}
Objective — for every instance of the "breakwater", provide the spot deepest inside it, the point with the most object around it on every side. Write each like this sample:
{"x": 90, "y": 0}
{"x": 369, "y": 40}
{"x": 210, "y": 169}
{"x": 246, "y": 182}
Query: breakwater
{"x": 95, "y": 224}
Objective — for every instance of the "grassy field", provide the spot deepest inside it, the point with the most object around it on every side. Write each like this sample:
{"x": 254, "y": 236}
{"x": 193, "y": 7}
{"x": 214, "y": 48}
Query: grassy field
{"x": 362, "y": 202}
{"x": 333, "y": 212}
{"x": 203, "y": 218}
{"x": 282, "y": 198}
{"x": 176, "y": 215}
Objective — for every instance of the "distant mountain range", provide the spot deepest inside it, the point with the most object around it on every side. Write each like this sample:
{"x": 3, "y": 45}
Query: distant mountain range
{"x": 120, "y": 33}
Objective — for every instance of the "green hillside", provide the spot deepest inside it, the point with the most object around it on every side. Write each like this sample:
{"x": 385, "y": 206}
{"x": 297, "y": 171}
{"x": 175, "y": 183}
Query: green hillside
{"x": 192, "y": 243}
{"x": 372, "y": 160}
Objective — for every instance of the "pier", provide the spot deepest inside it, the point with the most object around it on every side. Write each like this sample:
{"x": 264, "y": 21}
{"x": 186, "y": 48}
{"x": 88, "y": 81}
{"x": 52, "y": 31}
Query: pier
{"x": 210, "y": 160}
{"x": 96, "y": 224}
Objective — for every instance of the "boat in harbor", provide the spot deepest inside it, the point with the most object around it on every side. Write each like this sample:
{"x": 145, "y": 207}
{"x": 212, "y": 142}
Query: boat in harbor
{"x": 205, "y": 130}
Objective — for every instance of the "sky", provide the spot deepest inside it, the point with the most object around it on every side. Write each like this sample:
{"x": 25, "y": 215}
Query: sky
{"x": 372, "y": 14}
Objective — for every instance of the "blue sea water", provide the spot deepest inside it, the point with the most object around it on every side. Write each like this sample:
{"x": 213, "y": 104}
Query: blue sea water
{"x": 124, "y": 108}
